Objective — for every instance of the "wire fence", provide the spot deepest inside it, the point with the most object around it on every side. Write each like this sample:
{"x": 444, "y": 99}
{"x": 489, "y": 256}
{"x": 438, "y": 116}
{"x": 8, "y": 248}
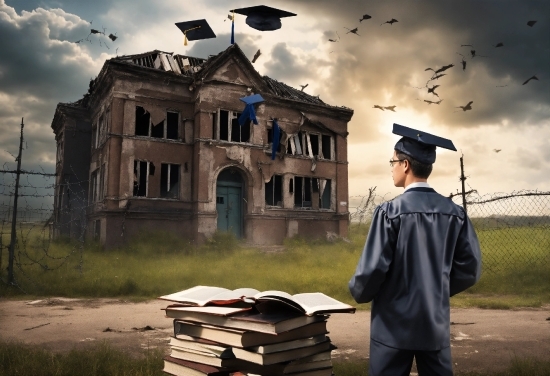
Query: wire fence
{"x": 513, "y": 229}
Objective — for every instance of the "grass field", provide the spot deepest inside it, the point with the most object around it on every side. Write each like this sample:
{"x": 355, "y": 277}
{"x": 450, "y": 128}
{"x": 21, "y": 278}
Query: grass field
{"x": 158, "y": 264}
{"x": 103, "y": 360}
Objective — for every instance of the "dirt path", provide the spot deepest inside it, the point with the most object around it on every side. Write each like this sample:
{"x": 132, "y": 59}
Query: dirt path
{"x": 481, "y": 339}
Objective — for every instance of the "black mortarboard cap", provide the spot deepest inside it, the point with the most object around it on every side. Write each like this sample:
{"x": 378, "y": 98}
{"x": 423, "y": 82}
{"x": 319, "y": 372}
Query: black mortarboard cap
{"x": 196, "y": 30}
{"x": 419, "y": 145}
{"x": 262, "y": 17}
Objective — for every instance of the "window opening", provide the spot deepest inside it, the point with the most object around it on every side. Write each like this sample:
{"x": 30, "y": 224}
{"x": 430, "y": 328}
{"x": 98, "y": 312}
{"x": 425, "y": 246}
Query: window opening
{"x": 224, "y": 121}
{"x": 172, "y": 125}
{"x": 324, "y": 193}
{"x": 314, "y": 140}
{"x": 140, "y": 178}
{"x": 169, "y": 180}
{"x": 273, "y": 191}
{"x": 326, "y": 146}
{"x": 143, "y": 119}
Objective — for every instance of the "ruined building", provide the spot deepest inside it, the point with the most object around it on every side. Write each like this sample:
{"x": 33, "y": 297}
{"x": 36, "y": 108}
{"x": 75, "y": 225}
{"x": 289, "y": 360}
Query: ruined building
{"x": 155, "y": 144}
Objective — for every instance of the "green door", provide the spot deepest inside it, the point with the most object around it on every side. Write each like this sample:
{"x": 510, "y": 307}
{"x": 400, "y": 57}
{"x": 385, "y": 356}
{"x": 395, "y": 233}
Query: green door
{"x": 229, "y": 208}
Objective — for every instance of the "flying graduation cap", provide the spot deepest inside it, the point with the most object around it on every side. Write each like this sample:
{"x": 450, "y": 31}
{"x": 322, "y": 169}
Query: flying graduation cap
{"x": 195, "y": 30}
{"x": 262, "y": 17}
{"x": 249, "y": 113}
{"x": 419, "y": 145}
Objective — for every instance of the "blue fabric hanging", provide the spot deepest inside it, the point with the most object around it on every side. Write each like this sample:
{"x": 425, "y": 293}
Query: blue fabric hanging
{"x": 276, "y": 137}
{"x": 249, "y": 113}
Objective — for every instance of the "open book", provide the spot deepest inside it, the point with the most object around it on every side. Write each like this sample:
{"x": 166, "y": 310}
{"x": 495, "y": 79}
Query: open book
{"x": 308, "y": 303}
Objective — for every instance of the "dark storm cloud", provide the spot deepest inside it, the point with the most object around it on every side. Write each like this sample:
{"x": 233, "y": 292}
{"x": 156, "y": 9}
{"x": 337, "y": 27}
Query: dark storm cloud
{"x": 204, "y": 48}
{"x": 286, "y": 67}
{"x": 389, "y": 59}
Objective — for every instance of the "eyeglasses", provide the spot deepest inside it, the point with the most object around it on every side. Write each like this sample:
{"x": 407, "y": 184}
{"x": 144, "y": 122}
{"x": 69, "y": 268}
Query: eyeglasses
{"x": 392, "y": 161}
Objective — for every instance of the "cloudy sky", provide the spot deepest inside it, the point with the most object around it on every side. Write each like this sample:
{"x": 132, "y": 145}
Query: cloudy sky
{"x": 385, "y": 65}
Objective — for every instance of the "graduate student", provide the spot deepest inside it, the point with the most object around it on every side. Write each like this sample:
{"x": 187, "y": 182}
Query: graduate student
{"x": 421, "y": 250}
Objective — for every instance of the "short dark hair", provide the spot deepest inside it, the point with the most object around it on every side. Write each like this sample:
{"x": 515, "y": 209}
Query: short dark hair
{"x": 420, "y": 170}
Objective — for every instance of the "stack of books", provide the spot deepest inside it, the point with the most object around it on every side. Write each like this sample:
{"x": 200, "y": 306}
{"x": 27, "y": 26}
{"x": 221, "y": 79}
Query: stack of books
{"x": 246, "y": 332}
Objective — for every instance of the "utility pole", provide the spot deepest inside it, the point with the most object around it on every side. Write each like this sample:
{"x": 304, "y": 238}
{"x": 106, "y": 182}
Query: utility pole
{"x": 11, "y": 253}
{"x": 463, "y": 179}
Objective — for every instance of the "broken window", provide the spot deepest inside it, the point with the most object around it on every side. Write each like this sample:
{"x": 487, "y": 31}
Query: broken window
{"x": 229, "y": 129}
{"x": 172, "y": 122}
{"x": 94, "y": 185}
{"x": 314, "y": 141}
{"x": 166, "y": 128}
{"x": 101, "y": 191}
{"x": 274, "y": 191}
{"x": 59, "y": 155}
{"x": 169, "y": 180}
{"x": 326, "y": 147}
{"x": 143, "y": 120}
{"x": 142, "y": 170}
{"x": 313, "y": 145}
{"x": 325, "y": 193}
{"x": 302, "y": 192}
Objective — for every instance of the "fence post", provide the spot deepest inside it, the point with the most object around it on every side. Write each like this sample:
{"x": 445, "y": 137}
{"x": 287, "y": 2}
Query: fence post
{"x": 11, "y": 252}
{"x": 463, "y": 179}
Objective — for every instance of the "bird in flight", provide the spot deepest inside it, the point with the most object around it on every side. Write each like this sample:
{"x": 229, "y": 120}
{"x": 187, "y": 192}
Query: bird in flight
{"x": 353, "y": 31}
{"x": 365, "y": 17}
{"x": 497, "y": 150}
{"x": 379, "y": 107}
{"x": 112, "y": 37}
{"x": 463, "y": 62}
{"x": 467, "y": 107}
{"x": 431, "y": 102}
{"x": 304, "y": 86}
{"x": 442, "y": 69}
{"x": 432, "y": 90}
{"x": 438, "y": 76}
{"x": 529, "y": 79}
{"x": 531, "y": 23}
{"x": 499, "y": 44}
{"x": 391, "y": 22}
{"x": 391, "y": 108}
{"x": 256, "y": 56}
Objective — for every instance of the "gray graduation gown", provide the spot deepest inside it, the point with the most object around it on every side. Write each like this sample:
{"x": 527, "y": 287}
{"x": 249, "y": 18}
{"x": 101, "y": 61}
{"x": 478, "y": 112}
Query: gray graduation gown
{"x": 421, "y": 249}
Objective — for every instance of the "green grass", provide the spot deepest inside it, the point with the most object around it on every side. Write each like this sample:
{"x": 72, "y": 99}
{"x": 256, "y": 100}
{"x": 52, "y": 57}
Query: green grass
{"x": 157, "y": 264}
{"x": 104, "y": 360}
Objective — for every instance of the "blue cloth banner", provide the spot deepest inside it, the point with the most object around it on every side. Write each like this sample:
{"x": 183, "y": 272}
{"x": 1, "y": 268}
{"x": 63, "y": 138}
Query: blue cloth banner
{"x": 248, "y": 114}
{"x": 276, "y": 136}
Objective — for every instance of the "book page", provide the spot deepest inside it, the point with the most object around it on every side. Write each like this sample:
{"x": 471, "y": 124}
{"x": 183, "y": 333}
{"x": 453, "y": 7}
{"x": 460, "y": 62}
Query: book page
{"x": 199, "y": 295}
{"x": 235, "y": 294}
{"x": 213, "y": 310}
{"x": 317, "y": 301}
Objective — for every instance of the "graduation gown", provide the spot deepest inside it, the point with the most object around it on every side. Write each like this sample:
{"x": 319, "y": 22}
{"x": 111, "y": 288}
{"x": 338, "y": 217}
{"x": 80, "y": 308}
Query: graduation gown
{"x": 421, "y": 249}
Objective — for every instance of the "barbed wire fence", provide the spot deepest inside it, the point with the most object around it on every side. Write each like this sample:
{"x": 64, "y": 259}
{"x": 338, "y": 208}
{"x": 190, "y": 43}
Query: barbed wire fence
{"x": 28, "y": 222}
{"x": 513, "y": 228}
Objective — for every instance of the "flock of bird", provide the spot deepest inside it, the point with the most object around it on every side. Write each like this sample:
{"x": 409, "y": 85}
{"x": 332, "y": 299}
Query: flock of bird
{"x": 111, "y": 36}
{"x": 437, "y": 73}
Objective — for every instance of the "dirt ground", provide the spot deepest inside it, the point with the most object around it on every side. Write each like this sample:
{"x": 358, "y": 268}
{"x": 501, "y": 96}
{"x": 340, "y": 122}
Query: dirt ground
{"x": 481, "y": 339}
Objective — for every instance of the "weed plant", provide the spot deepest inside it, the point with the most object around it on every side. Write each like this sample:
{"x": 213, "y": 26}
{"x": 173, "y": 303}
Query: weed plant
{"x": 98, "y": 360}
{"x": 104, "y": 360}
